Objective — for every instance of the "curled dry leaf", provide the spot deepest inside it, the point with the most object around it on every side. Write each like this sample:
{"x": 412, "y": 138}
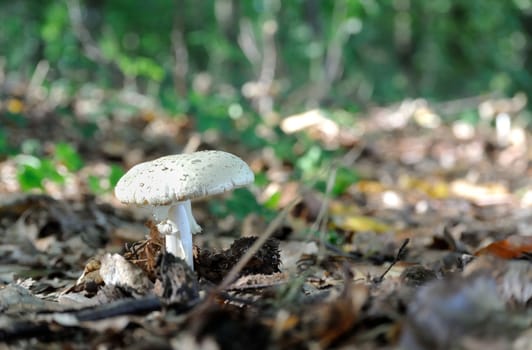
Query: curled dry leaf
{"x": 145, "y": 253}
{"x": 90, "y": 280}
{"x": 513, "y": 247}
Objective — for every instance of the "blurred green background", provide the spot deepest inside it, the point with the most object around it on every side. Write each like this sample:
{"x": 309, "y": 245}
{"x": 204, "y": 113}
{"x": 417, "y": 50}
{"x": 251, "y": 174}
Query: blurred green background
{"x": 348, "y": 53}
{"x": 236, "y": 67}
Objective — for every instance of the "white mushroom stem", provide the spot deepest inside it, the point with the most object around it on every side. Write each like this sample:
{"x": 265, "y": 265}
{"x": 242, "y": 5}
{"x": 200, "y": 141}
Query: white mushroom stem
{"x": 178, "y": 214}
{"x": 177, "y": 223}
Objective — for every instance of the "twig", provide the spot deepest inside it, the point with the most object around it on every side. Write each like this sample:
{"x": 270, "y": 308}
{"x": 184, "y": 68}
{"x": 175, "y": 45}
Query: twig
{"x": 255, "y": 286}
{"x": 333, "y": 55}
{"x": 321, "y": 220}
{"x": 181, "y": 58}
{"x": 92, "y": 51}
{"x": 120, "y": 308}
{"x": 27, "y": 329}
{"x": 263, "y": 60}
{"x": 398, "y": 257}
{"x": 37, "y": 79}
{"x": 24, "y": 330}
{"x": 193, "y": 143}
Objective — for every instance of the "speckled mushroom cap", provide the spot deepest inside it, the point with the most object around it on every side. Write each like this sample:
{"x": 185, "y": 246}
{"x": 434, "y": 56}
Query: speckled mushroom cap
{"x": 182, "y": 176}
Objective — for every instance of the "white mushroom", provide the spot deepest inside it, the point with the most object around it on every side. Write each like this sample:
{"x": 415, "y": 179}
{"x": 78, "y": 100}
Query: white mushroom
{"x": 168, "y": 184}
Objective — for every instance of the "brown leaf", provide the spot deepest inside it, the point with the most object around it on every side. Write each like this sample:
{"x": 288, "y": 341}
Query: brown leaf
{"x": 513, "y": 247}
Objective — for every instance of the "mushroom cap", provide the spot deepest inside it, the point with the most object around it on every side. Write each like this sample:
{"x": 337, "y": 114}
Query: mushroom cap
{"x": 181, "y": 177}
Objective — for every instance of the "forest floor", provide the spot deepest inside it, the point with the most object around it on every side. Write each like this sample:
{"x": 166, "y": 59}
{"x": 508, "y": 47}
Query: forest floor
{"x": 430, "y": 247}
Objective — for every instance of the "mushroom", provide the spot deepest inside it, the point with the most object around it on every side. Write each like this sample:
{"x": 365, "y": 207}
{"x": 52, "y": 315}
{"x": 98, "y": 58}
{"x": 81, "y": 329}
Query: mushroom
{"x": 168, "y": 184}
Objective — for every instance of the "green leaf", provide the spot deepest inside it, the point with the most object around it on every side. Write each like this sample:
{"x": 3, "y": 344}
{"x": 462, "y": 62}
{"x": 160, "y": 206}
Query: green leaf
{"x": 273, "y": 201}
{"x": 29, "y": 177}
{"x": 334, "y": 238}
{"x": 240, "y": 204}
{"x": 116, "y": 173}
{"x": 345, "y": 177}
{"x": 94, "y": 184}
{"x": 67, "y": 155}
{"x": 4, "y": 146}
{"x": 49, "y": 171}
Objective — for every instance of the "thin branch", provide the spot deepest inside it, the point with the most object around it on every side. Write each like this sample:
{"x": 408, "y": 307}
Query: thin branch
{"x": 321, "y": 221}
{"x": 91, "y": 49}
{"x": 398, "y": 257}
{"x": 180, "y": 55}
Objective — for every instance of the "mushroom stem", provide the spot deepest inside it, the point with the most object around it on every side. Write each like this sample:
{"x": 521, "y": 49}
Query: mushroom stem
{"x": 173, "y": 246}
{"x": 178, "y": 214}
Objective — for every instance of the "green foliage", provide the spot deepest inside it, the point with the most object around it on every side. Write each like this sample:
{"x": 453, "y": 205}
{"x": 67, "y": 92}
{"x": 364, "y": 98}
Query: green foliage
{"x": 99, "y": 184}
{"x": 33, "y": 168}
{"x": 311, "y": 161}
{"x": 241, "y": 203}
{"x": 115, "y": 175}
{"x": 345, "y": 177}
{"x": 334, "y": 238}
{"x": 32, "y": 172}
{"x": 469, "y": 116}
{"x": 370, "y": 51}
{"x": 95, "y": 184}
{"x": 273, "y": 202}
{"x": 5, "y": 148}
{"x": 210, "y": 112}
{"x": 66, "y": 154}
{"x": 358, "y": 52}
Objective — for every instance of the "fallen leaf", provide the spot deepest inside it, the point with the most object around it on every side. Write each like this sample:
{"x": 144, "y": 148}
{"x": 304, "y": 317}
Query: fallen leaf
{"x": 314, "y": 118}
{"x": 116, "y": 270}
{"x": 512, "y": 247}
{"x": 15, "y": 106}
{"x": 437, "y": 189}
{"x": 485, "y": 194}
{"x": 360, "y": 223}
{"x": 369, "y": 186}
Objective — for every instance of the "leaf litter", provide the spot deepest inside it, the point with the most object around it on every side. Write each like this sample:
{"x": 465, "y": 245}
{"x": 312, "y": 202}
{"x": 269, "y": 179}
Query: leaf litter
{"x": 430, "y": 249}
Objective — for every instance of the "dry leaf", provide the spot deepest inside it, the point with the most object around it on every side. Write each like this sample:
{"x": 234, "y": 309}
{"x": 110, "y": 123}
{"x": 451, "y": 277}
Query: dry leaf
{"x": 116, "y": 270}
{"x": 485, "y": 194}
{"x": 512, "y": 247}
{"x": 360, "y": 223}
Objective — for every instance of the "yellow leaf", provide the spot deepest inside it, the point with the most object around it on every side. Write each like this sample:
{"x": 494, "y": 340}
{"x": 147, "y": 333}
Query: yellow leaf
{"x": 439, "y": 190}
{"x": 481, "y": 194}
{"x": 360, "y": 223}
{"x": 436, "y": 189}
{"x": 15, "y": 106}
{"x": 369, "y": 186}
{"x": 337, "y": 208}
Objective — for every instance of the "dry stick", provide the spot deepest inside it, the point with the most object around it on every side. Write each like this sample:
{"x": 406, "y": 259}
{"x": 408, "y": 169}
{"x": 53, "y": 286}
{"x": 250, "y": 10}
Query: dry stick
{"x": 80, "y": 31}
{"x": 397, "y": 257}
{"x": 37, "y": 79}
{"x": 321, "y": 220}
{"x": 233, "y": 273}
